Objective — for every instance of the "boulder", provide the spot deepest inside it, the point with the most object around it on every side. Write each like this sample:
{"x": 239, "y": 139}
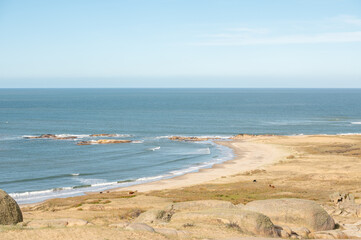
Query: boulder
{"x": 248, "y": 222}
{"x": 294, "y": 213}
{"x": 10, "y": 212}
{"x": 151, "y": 216}
{"x": 302, "y": 231}
{"x": 352, "y": 230}
{"x": 331, "y": 234}
{"x": 139, "y": 227}
{"x": 199, "y": 205}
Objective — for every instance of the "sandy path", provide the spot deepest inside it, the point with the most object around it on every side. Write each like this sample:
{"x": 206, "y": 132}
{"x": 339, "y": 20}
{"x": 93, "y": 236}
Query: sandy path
{"x": 248, "y": 156}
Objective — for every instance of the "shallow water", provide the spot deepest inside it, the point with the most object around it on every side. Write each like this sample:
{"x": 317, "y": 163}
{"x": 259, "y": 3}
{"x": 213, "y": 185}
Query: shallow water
{"x": 35, "y": 169}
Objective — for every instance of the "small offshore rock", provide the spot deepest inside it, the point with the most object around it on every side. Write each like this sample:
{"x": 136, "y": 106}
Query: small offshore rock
{"x": 103, "y": 141}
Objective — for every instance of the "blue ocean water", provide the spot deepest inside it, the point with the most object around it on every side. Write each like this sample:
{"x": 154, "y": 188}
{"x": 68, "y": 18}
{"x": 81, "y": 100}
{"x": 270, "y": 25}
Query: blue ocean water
{"x": 36, "y": 169}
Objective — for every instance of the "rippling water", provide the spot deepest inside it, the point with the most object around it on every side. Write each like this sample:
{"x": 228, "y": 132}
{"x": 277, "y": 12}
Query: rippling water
{"x": 35, "y": 169}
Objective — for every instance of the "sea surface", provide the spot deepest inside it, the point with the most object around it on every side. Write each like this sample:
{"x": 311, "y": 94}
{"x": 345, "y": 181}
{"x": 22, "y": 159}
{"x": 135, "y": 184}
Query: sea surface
{"x": 33, "y": 170}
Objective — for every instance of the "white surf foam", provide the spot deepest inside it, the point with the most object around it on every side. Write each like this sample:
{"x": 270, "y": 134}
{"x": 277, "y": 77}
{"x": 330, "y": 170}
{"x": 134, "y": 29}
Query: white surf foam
{"x": 154, "y": 149}
{"x": 357, "y": 123}
{"x": 94, "y": 185}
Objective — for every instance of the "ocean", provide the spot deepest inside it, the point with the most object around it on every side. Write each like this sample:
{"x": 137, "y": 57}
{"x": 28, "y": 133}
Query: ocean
{"x": 32, "y": 170}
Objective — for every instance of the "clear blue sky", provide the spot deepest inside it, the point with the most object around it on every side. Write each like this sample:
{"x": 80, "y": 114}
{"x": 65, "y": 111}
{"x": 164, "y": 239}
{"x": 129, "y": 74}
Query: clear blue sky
{"x": 180, "y": 43}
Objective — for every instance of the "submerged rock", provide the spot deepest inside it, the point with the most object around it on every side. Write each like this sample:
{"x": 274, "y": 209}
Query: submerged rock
{"x": 51, "y": 136}
{"x": 191, "y": 139}
{"x": 103, "y": 141}
{"x": 294, "y": 213}
{"x": 103, "y": 135}
{"x": 10, "y": 212}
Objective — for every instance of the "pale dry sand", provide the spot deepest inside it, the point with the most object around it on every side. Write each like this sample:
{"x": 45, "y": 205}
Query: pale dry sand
{"x": 248, "y": 156}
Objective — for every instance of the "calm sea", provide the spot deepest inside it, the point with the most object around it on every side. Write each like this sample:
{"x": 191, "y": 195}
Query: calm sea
{"x": 36, "y": 169}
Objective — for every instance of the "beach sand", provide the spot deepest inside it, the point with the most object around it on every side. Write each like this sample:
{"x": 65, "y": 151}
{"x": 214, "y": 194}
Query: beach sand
{"x": 248, "y": 156}
{"x": 308, "y": 167}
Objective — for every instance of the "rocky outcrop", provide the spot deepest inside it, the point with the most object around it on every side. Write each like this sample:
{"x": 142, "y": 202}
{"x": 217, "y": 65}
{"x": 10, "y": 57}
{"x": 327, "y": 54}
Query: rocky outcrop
{"x": 164, "y": 215}
{"x": 139, "y": 227}
{"x": 344, "y": 205}
{"x": 191, "y": 139}
{"x": 10, "y": 212}
{"x": 199, "y": 205}
{"x": 51, "y": 136}
{"x": 246, "y": 221}
{"x": 103, "y": 135}
{"x": 342, "y": 198}
{"x": 294, "y": 213}
{"x": 103, "y": 141}
{"x": 153, "y": 216}
{"x": 331, "y": 234}
{"x": 64, "y": 222}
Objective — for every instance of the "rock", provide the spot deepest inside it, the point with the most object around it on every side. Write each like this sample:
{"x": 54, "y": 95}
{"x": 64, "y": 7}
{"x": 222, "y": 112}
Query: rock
{"x": 103, "y": 141}
{"x": 287, "y": 229}
{"x": 191, "y": 139}
{"x": 152, "y": 216}
{"x": 63, "y": 222}
{"x": 302, "y": 231}
{"x": 248, "y": 222}
{"x": 119, "y": 225}
{"x": 172, "y": 233}
{"x": 139, "y": 227}
{"x": 337, "y": 197}
{"x": 352, "y": 230}
{"x": 294, "y": 213}
{"x": 10, "y": 212}
{"x": 103, "y": 135}
{"x": 240, "y": 205}
{"x": 50, "y": 136}
{"x": 199, "y": 205}
{"x": 331, "y": 234}
{"x": 284, "y": 234}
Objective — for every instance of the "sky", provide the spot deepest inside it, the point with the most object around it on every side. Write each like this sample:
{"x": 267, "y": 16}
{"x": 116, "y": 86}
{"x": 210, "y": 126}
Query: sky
{"x": 180, "y": 43}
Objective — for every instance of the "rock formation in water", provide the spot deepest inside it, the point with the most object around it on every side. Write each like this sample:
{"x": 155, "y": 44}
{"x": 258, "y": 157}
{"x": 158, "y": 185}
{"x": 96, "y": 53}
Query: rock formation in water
{"x": 103, "y": 141}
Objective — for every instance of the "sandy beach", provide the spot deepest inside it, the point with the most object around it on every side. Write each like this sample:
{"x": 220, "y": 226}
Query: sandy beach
{"x": 264, "y": 167}
{"x": 248, "y": 156}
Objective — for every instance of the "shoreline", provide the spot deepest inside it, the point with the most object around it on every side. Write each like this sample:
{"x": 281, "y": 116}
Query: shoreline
{"x": 244, "y": 154}
{"x": 248, "y": 156}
